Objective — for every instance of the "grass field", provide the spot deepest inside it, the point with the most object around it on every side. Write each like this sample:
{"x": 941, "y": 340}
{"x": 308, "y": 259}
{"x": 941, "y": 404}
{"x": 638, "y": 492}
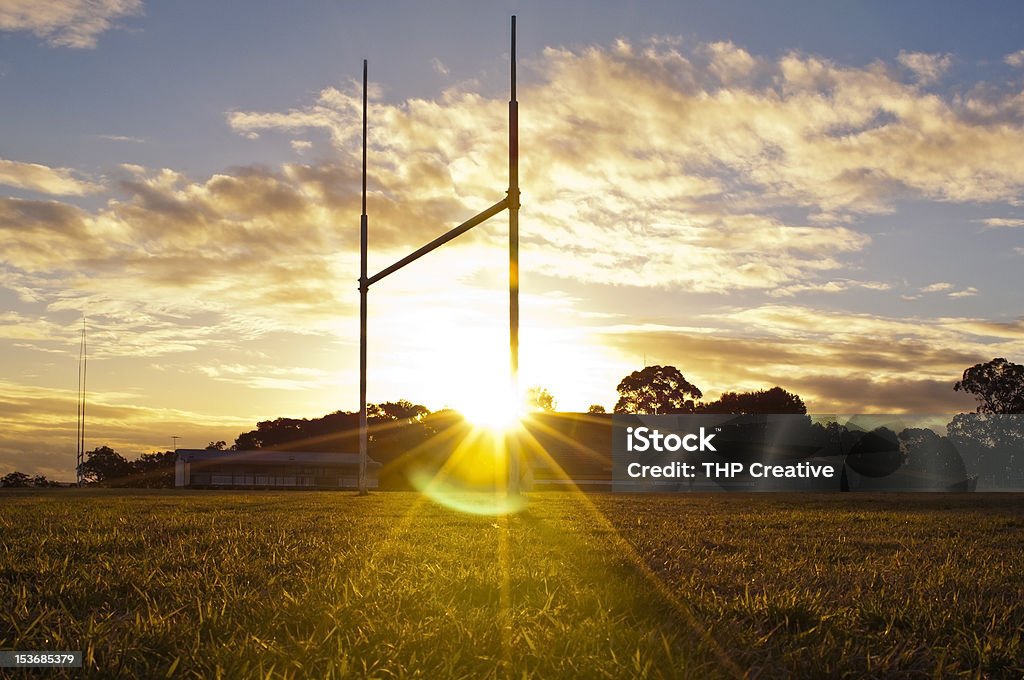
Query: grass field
{"x": 324, "y": 585}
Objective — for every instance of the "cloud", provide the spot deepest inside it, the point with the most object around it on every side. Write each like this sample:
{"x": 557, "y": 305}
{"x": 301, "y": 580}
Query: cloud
{"x": 996, "y": 222}
{"x": 439, "y": 66}
{"x": 38, "y": 425}
{"x": 839, "y": 362}
{"x": 43, "y": 179}
{"x": 66, "y": 23}
{"x": 1015, "y": 59}
{"x": 839, "y": 286}
{"x": 928, "y": 68}
{"x": 937, "y": 287}
{"x": 948, "y": 288}
{"x": 652, "y": 137}
{"x": 271, "y": 377}
{"x": 122, "y": 138}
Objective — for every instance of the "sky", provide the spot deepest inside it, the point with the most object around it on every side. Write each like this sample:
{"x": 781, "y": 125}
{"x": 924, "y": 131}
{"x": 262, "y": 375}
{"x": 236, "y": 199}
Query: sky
{"x": 821, "y": 196}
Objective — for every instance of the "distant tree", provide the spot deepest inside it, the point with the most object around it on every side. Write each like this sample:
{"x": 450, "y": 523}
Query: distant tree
{"x": 990, "y": 444}
{"x": 106, "y": 467}
{"x": 217, "y": 446}
{"x": 15, "y": 480}
{"x": 873, "y": 454}
{"x": 931, "y": 458}
{"x": 539, "y": 399}
{"x": 40, "y": 481}
{"x": 656, "y": 390}
{"x": 998, "y": 385}
{"x": 392, "y": 411}
{"x": 156, "y": 470}
{"x": 596, "y": 408}
{"x": 332, "y": 432}
{"x": 775, "y": 400}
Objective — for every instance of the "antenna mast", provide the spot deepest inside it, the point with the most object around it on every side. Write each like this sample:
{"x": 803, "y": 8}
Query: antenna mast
{"x": 83, "y": 358}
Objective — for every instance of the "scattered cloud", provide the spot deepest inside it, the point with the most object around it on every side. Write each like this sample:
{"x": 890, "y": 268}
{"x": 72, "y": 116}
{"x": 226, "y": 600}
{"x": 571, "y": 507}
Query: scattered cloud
{"x": 937, "y": 287}
{"x": 38, "y": 426}
{"x": 928, "y": 68}
{"x": 839, "y": 362}
{"x": 44, "y": 179}
{"x": 123, "y": 138}
{"x": 1015, "y": 59}
{"x": 66, "y": 23}
{"x": 301, "y": 145}
{"x": 439, "y": 66}
{"x": 996, "y": 222}
{"x": 265, "y": 376}
{"x": 949, "y": 289}
{"x": 837, "y": 286}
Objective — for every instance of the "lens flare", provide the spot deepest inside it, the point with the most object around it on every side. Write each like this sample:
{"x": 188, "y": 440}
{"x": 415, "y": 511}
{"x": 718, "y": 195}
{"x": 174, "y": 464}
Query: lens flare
{"x": 473, "y": 477}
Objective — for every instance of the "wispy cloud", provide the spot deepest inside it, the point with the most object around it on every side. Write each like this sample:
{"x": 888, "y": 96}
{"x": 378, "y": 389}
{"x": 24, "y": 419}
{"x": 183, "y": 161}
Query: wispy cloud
{"x": 439, "y": 66}
{"x": 941, "y": 286}
{"x": 837, "y": 361}
{"x": 44, "y": 179}
{"x": 66, "y": 23}
{"x": 1015, "y": 59}
{"x": 997, "y": 222}
{"x": 37, "y": 427}
{"x": 928, "y": 68}
{"x": 123, "y": 138}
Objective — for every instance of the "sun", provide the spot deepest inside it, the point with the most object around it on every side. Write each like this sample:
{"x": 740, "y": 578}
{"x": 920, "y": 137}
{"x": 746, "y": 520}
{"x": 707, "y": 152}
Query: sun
{"x": 495, "y": 408}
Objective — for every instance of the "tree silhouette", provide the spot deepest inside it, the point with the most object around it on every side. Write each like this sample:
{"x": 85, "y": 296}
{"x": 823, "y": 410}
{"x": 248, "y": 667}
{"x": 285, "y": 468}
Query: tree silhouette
{"x": 106, "y": 467}
{"x": 15, "y": 480}
{"x": 656, "y": 390}
{"x": 997, "y": 384}
{"x": 775, "y": 400}
{"x": 156, "y": 470}
{"x": 392, "y": 411}
{"x": 539, "y": 399}
{"x": 932, "y": 459}
{"x": 596, "y": 408}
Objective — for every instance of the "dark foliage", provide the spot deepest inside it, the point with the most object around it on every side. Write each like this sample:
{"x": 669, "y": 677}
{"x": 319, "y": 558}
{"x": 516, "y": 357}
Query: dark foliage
{"x": 656, "y": 390}
{"x": 775, "y": 400}
{"x": 998, "y": 385}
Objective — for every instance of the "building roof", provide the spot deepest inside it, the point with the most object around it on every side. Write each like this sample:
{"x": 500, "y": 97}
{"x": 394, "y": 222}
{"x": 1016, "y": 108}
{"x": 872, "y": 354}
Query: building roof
{"x": 270, "y": 457}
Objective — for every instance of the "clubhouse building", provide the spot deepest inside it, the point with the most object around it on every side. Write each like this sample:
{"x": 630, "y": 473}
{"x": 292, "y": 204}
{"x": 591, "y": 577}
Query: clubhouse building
{"x": 268, "y": 469}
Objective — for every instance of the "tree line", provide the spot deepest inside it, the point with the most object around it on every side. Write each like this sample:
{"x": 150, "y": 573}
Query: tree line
{"x": 401, "y": 426}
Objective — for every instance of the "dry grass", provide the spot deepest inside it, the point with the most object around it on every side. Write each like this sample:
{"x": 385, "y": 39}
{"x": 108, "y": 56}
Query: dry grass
{"x": 263, "y": 584}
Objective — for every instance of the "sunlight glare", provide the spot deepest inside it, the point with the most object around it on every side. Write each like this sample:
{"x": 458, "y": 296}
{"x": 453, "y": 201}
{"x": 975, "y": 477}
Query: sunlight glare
{"x": 495, "y": 408}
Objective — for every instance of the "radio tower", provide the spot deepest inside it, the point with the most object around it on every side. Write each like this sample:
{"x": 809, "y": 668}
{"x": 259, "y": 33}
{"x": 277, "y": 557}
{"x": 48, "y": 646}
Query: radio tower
{"x": 83, "y": 358}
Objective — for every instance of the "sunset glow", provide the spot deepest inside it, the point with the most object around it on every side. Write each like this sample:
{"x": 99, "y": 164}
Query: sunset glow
{"x": 830, "y": 206}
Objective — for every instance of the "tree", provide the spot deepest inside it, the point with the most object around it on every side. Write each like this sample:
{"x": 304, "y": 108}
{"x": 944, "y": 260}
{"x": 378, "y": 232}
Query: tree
{"x": 775, "y": 400}
{"x": 656, "y": 390}
{"x": 156, "y": 470}
{"x": 990, "y": 445}
{"x": 998, "y": 385}
{"x": 931, "y": 460}
{"x": 217, "y": 446}
{"x": 596, "y": 408}
{"x": 336, "y": 431}
{"x": 106, "y": 467}
{"x": 15, "y": 480}
{"x": 539, "y": 399}
{"x": 393, "y": 411}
